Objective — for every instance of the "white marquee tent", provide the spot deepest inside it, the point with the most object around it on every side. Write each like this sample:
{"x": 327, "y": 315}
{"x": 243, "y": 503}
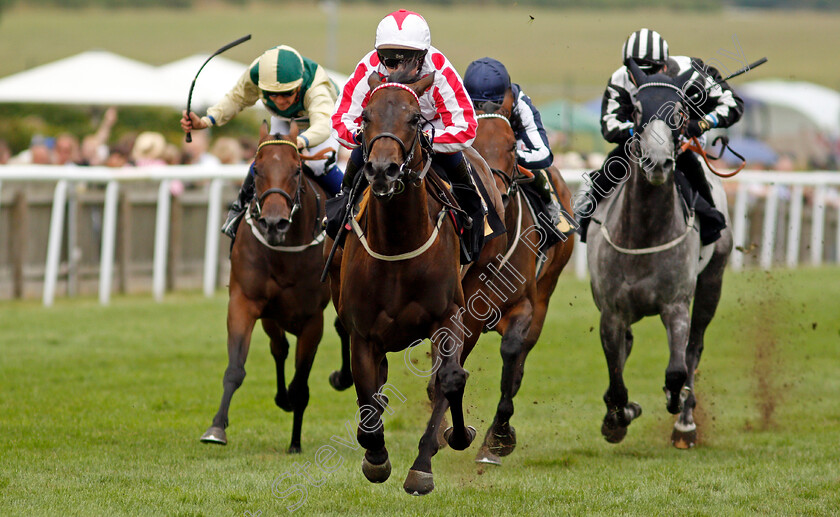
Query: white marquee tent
{"x": 92, "y": 77}
{"x": 99, "y": 77}
{"x": 789, "y": 107}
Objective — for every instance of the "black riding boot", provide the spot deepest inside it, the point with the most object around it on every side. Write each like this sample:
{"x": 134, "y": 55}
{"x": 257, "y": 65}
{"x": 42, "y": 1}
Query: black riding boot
{"x": 689, "y": 175}
{"x": 465, "y": 192}
{"x": 238, "y": 207}
{"x": 336, "y": 206}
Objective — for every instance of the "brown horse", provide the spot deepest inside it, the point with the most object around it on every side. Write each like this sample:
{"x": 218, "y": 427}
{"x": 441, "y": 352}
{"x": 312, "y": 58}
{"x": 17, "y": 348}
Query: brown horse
{"x": 275, "y": 271}
{"x": 524, "y": 278}
{"x": 400, "y": 281}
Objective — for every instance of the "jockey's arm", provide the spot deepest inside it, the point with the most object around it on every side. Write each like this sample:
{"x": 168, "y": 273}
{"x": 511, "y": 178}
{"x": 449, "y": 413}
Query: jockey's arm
{"x": 244, "y": 94}
{"x": 319, "y": 102}
{"x": 617, "y": 108}
{"x": 720, "y": 106}
{"x": 454, "y": 108}
{"x": 346, "y": 118}
{"x": 537, "y": 152}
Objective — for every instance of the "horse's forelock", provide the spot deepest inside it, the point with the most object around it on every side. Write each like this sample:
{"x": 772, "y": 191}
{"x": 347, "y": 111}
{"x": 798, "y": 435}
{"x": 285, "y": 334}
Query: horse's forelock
{"x": 488, "y": 106}
{"x": 404, "y": 76}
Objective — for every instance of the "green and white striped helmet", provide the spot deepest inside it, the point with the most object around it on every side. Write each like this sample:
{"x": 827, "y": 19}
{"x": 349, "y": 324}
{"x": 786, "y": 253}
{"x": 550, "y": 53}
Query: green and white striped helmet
{"x": 281, "y": 69}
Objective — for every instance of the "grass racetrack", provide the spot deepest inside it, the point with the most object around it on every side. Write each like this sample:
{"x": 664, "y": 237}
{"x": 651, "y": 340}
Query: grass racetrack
{"x": 102, "y": 408}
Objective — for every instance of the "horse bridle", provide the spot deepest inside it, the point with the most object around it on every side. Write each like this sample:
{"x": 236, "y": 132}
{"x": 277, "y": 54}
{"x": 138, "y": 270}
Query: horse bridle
{"x": 295, "y": 201}
{"x": 660, "y": 84}
{"x": 509, "y": 179}
{"x": 412, "y": 175}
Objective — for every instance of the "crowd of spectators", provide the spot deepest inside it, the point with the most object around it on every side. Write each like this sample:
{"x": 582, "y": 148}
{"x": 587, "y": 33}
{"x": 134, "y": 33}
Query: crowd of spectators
{"x": 130, "y": 150}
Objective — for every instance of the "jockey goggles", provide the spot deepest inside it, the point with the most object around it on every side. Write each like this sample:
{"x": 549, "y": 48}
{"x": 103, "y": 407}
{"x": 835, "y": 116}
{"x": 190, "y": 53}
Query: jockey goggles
{"x": 288, "y": 93}
{"x": 394, "y": 57}
{"x": 649, "y": 66}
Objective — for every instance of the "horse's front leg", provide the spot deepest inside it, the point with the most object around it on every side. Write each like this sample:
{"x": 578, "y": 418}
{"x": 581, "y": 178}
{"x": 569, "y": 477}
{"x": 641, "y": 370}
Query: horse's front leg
{"x": 343, "y": 378}
{"x": 242, "y": 315}
{"x": 676, "y": 319}
{"x": 279, "y": 351}
{"x": 617, "y": 341}
{"x": 307, "y": 346}
{"x": 447, "y": 391}
{"x": 500, "y": 439}
{"x": 706, "y": 298}
{"x": 371, "y": 432}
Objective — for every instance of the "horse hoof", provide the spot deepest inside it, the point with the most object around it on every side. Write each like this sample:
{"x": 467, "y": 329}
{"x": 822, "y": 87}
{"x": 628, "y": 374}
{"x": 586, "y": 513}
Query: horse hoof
{"x": 485, "y": 456}
{"x": 456, "y": 443}
{"x": 338, "y": 382}
{"x": 613, "y": 434}
{"x": 418, "y": 483}
{"x": 283, "y": 402}
{"x": 293, "y": 449}
{"x": 376, "y": 473}
{"x": 215, "y": 435}
{"x": 684, "y": 436}
{"x": 504, "y": 444}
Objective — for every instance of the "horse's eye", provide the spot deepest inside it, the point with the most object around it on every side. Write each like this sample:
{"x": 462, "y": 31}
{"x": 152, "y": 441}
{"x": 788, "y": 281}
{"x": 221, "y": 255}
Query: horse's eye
{"x": 415, "y": 119}
{"x": 365, "y": 117}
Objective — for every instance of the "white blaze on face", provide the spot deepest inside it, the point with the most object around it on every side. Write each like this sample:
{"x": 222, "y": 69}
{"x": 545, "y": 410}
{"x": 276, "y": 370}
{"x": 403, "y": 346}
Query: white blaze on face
{"x": 658, "y": 150}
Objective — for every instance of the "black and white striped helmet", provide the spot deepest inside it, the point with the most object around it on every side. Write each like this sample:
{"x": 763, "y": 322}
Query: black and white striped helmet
{"x": 647, "y": 47}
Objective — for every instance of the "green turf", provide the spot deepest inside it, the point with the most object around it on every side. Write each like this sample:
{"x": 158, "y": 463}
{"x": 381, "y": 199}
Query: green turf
{"x": 102, "y": 409}
{"x": 558, "y": 53}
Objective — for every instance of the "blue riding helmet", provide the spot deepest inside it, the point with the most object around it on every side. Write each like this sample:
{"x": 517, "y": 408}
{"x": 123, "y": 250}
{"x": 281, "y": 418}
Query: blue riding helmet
{"x": 486, "y": 79}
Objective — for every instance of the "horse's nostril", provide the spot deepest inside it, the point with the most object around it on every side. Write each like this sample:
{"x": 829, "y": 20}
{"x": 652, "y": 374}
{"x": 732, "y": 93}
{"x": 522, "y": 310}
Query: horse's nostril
{"x": 668, "y": 165}
{"x": 283, "y": 225}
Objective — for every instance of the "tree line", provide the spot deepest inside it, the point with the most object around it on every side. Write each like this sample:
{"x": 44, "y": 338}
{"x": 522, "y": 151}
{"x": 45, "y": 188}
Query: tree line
{"x": 589, "y": 4}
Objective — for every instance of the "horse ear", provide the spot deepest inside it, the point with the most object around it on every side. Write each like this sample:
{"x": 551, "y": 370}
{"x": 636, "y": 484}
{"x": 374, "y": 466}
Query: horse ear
{"x": 636, "y": 73}
{"x": 374, "y": 80}
{"x": 263, "y": 129}
{"x": 507, "y": 104}
{"x": 684, "y": 81}
{"x": 423, "y": 84}
{"x": 293, "y": 131}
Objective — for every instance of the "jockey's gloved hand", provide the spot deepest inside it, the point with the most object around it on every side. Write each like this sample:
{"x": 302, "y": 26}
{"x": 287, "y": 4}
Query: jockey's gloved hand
{"x": 696, "y": 128}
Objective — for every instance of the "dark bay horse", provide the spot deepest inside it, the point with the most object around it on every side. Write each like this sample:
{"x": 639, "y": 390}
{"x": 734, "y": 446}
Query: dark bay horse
{"x": 276, "y": 263}
{"x": 400, "y": 280}
{"x": 643, "y": 254}
{"x": 519, "y": 292}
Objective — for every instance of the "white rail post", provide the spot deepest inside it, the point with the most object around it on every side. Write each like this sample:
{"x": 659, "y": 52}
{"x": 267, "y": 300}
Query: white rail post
{"x": 741, "y": 226}
{"x": 768, "y": 237}
{"x": 211, "y": 243}
{"x": 54, "y": 245}
{"x": 837, "y": 242}
{"x": 818, "y": 225}
{"x": 580, "y": 258}
{"x": 161, "y": 241}
{"x": 109, "y": 232}
{"x": 1, "y": 193}
{"x": 794, "y": 226}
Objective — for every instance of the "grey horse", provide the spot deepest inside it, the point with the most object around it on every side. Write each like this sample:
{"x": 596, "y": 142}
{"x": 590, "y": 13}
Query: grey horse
{"x": 644, "y": 259}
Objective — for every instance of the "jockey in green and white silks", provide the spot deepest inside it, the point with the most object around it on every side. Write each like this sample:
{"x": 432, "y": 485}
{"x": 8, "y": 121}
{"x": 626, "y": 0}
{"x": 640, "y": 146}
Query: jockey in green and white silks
{"x": 292, "y": 88}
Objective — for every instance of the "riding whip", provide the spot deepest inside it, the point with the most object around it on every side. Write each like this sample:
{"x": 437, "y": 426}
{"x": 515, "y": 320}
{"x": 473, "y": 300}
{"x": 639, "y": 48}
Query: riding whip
{"x": 739, "y": 72}
{"x": 216, "y": 53}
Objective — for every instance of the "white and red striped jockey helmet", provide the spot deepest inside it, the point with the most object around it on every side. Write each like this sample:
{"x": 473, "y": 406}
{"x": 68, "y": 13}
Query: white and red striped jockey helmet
{"x": 403, "y": 29}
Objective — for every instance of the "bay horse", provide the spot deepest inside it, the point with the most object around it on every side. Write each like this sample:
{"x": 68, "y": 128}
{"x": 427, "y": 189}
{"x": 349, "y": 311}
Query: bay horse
{"x": 276, "y": 262}
{"x": 644, "y": 258}
{"x": 398, "y": 283}
{"x": 525, "y": 290}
